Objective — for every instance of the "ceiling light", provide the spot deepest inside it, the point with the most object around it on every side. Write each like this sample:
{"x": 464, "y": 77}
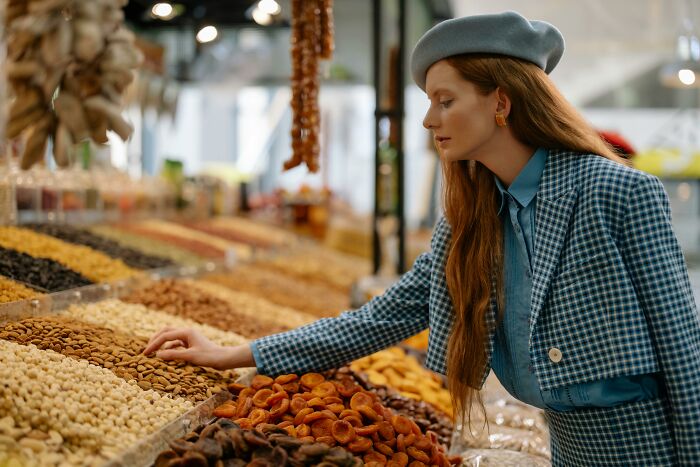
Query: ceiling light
{"x": 260, "y": 17}
{"x": 271, "y": 7}
{"x": 207, "y": 34}
{"x": 686, "y": 76}
{"x": 162, "y": 10}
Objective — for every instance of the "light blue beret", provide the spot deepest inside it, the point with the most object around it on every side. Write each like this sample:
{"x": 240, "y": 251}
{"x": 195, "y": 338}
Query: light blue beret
{"x": 504, "y": 33}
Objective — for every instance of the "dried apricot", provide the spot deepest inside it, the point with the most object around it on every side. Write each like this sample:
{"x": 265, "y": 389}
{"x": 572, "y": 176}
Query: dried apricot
{"x": 308, "y": 439}
{"x": 276, "y": 397}
{"x": 342, "y": 431}
{"x": 288, "y": 417}
{"x": 303, "y": 430}
{"x": 369, "y": 413}
{"x": 400, "y": 444}
{"x": 417, "y": 454}
{"x": 384, "y": 449}
{"x": 225, "y": 411}
{"x": 359, "y": 444}
{"x": 297, "y": 404}
{"x": 373, "y": 464}
{"x": 332, "y": 400}
{"x": 349, "y": 413}
{"x": 415, "y": 429}
{"x": 316, "y": 402}
{"x": 276, "y": 387}
{"x": 285, "y": 424}
{"x": 325, "y": 389}
{"x": 291, "y": 388}
{"x": 400, "y": 458}
{"x": 401, "y": 424}
{"x": 354, "y": 421}
{"x": 284, "y": 379}
{"x": 374, "y": 456}
{"x": 347, "y": 388}
{"x": 322, "y": 428}
{"x": 299, "y": 417}
{"x": 280, "y": 408}
{"x": 247, "y": 392}
{"x": 386, "y": 431}
{"x": 244, "y": 407}
{"x": 236, "y": 388}
{"x": 361, "y": 399}
{"x": 408, "y": 440}
{"x": 258, "y": 416}
{"x": 336, "y": 408}
{"x": 311, "y": 380}
{"x": 260, "y": 398}
{"x": 307, "y": 396}
{"x": 261, "y": 381}
{"x": 423, "y": 443}
{"x": 365, "y": 430}
{"x": 291, "y": 431}
{"x": 244, "y": 423}
{"x": 320, "y": 415}
{"x": 329, "y": 440}
{"x": 417, "y": 464}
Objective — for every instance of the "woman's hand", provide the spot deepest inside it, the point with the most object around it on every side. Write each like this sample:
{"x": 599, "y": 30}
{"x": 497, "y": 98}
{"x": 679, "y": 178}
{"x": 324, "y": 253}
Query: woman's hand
{"x": 191, "y": 346}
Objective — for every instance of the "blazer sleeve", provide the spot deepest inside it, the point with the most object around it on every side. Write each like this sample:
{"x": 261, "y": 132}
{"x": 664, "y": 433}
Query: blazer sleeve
{"x": 399, "y": 313}
{"x": 657, "y": 268}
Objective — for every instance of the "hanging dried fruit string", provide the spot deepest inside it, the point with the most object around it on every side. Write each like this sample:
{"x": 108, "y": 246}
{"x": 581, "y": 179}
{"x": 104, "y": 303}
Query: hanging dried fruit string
{"x": 79, "y": 48}
{"x": 311, "y": 41}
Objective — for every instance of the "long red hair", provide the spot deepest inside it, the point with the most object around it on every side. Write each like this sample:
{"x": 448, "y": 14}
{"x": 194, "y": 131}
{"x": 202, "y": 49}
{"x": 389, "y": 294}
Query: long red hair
{"x": 540, "y": 117}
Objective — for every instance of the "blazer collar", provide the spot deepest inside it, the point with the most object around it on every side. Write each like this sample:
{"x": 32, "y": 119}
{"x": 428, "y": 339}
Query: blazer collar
{"x": 558, "y": 177}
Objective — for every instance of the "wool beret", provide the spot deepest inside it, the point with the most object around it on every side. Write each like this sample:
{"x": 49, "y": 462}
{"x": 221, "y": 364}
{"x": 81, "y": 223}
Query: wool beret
{"x": 504, "y": 33}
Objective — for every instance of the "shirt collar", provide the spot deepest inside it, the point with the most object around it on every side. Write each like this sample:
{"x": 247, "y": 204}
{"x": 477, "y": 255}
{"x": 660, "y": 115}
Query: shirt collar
{"x": 525, "y": 186}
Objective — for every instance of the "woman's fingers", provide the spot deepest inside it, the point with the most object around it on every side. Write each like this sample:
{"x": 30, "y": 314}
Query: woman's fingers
{"x": 172, "y": 344}
{"x": 155, "y": 336}
{"x": 159, "y": 340}
{"x": 174, "y": 354}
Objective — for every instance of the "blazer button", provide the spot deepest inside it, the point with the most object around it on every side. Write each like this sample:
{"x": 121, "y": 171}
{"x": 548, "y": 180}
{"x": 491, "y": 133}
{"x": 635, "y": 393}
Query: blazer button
{"x": 555, "y": 355}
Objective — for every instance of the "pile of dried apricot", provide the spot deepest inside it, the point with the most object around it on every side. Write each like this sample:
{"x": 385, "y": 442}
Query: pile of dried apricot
{"x": 335, "y": 412}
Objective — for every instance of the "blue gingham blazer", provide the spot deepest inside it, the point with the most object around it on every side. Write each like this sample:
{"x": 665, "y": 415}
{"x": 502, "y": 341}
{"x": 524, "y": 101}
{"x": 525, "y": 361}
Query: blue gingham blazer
{"x": 610, "y": 291}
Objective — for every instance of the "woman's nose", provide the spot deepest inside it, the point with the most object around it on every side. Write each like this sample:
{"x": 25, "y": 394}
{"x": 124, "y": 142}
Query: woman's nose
{"x": 428, "y": 121}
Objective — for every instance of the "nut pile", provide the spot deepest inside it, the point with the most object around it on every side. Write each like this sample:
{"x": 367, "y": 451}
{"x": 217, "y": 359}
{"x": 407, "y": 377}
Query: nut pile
{"x": 426, "y": 416}
{"x": 131, "y": 257}
{"x": 255, "y": 307}
{"x": 80, "y": 48}
{"x": 284, "y": 290}
{"x": 119, "y": 353}
{"x": 44, "y": 273}
{"x": 94, "y": 412}
{"x": 311, "y": 40}
{"x": 199, "y": 242}
{"x": 312, "y": 408}
{"x": 393, "y": 367}
{"x": 139, "y": 321}
{"x": 251, "y": 229}
{"x": 94, "y": 265}
{"x": 148, "y": 245}
{"x": 224, "y": 440}
{"x": 178, "y": 298}
{"x": 11, "y": 291}
{"x": 321, "y": 265}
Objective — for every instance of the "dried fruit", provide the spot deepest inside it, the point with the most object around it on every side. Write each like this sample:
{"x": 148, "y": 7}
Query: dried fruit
{"x": 311, "y": 380}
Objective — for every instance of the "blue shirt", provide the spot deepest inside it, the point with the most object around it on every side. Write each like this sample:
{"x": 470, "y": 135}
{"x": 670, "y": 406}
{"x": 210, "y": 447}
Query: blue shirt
{"x": 511, "y": 355}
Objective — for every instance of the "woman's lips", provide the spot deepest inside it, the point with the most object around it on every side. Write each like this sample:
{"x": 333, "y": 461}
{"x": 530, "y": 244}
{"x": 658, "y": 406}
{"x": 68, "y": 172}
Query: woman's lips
{"x": 441, "y": 140}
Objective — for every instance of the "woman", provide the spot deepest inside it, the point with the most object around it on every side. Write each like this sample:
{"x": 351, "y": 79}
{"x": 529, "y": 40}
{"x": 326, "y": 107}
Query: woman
{"x": 555, "y": 264}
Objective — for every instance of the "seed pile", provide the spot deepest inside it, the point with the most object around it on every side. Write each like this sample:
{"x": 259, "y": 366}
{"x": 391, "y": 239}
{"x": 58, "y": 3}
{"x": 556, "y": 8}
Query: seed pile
{"x": 284, "y": 290}
{"x": 139, "y": 321}
{"x": 94, "y": 265}
{"x": 340, "y": 412}
{"x": 131, "y": 257}
{"x": 41, "y": 272}
{"x": 225, "y": 443}
{"x": 148, "y": 245}
{"x": 178, "y": 298}
{"x": 255, "y": 307}
{"x": 11, "y": 291}
{"x": 118, "y": 352}
{"x": 94, "y": 412}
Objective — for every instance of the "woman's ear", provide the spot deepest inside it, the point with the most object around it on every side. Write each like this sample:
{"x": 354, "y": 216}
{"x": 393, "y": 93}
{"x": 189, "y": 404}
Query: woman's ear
{"x": 503, "y": 105}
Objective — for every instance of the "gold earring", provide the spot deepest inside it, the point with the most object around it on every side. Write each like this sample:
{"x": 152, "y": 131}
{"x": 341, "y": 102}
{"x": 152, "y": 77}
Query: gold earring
{"x": 501, "y": 120}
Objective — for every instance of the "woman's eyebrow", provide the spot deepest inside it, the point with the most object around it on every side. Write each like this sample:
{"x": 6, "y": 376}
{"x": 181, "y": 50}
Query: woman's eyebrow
{"x": 437, "y": 91}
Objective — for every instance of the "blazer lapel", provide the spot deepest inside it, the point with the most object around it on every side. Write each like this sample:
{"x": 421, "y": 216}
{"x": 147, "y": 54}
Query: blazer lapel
{"x": 556, "y": 199}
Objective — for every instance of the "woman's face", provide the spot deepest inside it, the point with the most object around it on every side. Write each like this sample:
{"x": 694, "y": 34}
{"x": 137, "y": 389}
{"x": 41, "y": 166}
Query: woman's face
{"x": 461, "y": 118}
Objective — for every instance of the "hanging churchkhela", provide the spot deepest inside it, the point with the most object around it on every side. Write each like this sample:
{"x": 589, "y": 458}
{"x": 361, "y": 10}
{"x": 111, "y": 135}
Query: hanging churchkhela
{"x": 311, "y": 41}
{"x": 69, "y": 62}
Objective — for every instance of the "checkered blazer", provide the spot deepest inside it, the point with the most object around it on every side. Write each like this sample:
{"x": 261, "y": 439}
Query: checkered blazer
{"x": 610, "y": 292}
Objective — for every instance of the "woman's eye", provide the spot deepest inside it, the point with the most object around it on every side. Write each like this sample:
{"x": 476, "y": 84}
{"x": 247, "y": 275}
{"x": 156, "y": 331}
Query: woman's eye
{"x": 445, "y": 104}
